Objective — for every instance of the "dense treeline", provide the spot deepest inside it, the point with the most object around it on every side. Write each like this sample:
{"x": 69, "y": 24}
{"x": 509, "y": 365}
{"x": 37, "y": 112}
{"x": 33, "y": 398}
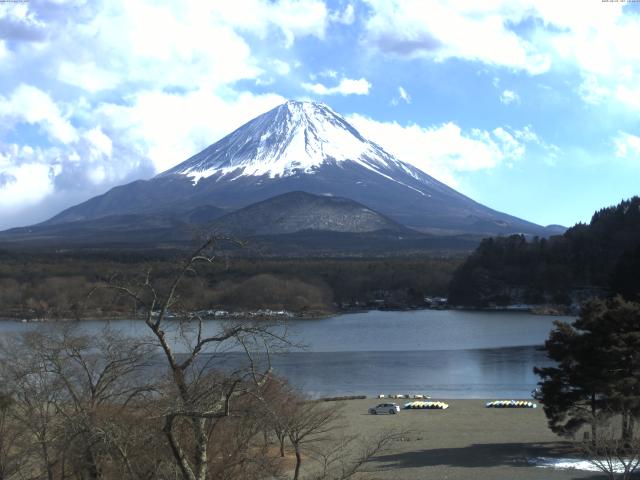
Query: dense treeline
{"x": 55, "y": 284}
{"x": 603, "y": 255}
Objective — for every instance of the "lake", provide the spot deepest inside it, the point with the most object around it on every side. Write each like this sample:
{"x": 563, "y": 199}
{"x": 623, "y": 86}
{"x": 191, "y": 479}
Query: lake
{"x": 443, "y": 353}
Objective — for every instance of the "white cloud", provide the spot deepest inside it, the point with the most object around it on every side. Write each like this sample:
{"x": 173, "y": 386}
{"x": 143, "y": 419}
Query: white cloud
{"x": 155, "y": 121}
{"x": 28, "y": 104}
{"x": 328, "y": 73}
{"x": 476, "y": 31}
{"x": 509, "y": 96}
{"x": 185, "y": 58}
{"x": 97, "y": 175}
{"x": 297, "y": 17}
{"x": 205, "y": 45}
{"x": 548, "y": 152}
{"x": 599, "y": 39}
{"x": 347, "y": 86}
{"x": 4, "y": 52}
{"x": 346, "y": 17}
{"x": 261, "y": 81}
{"x": 88, "y": 76}
{"x": 592, "y": 91}
{"x": 511, "y": 147}
{"x": 293, "y": 18}
{"x": 99, "y": 141}
{"x": 31, "y": 183}
{"x": 281, "y": 67}
{"x": 627, "y": 146}
{"x": 27, "y": 184}
{"x": 600, "y": 42}
{"x": 444, "y": 151}
{"x": 527, "y": 134}
{"x": 629, "y": 95}
{"x": 37, "y": 182}
{"x": 20, "y": 23}
{"x": 404, "y": 95}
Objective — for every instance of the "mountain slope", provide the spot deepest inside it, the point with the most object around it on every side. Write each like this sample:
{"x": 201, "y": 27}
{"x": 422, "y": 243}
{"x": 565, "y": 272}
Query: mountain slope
{"x": 290, "y": 225}
{"x": 302, "y": 146}
{"x": 299, "y": 211}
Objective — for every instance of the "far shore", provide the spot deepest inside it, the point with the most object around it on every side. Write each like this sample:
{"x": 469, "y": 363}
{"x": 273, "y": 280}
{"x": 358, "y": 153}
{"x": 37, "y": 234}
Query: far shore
{"x": 545, "y": 310}
{"x": 465, "y": 441}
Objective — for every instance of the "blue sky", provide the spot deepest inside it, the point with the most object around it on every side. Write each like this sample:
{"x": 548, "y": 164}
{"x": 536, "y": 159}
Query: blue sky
{"x": 531, "y": 107}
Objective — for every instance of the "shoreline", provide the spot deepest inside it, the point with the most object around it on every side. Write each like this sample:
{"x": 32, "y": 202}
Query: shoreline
{"x": 286, "y": 314}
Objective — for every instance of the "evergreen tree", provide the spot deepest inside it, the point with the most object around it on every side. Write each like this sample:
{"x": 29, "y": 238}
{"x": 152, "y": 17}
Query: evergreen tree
{"x": 572, "y": 392}
{"x": 625, "y": 279}
{"x": 616, "y": 325}
{"x": 597, "y": 370}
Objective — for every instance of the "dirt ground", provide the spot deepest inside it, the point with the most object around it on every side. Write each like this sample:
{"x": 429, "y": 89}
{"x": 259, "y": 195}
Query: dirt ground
{"x": 466, "y": 441}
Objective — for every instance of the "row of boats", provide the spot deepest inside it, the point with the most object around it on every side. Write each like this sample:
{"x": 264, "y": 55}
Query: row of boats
{"x": 494, "y": 404}
{"x": 426, "y": 405}
{"x": 416, "y": 396}
{"x": 511, "y": 404}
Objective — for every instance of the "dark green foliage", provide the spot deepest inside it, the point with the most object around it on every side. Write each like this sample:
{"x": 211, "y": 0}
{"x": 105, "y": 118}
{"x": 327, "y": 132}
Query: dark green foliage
{"x": 604, "y": 254}
{"x": 598, "y": 368}
{"x": 626, "y": 275}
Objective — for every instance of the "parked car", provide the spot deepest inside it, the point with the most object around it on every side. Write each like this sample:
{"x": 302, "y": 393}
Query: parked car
{"x": 391, "y": 408}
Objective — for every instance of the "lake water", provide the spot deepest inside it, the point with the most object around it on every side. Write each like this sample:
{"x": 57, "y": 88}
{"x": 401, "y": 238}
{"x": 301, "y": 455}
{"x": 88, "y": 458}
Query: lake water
{"x": 443, "y": 353}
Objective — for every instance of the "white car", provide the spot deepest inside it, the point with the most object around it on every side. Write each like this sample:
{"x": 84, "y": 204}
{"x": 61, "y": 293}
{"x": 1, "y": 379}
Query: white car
{"x": 391, "y": 408}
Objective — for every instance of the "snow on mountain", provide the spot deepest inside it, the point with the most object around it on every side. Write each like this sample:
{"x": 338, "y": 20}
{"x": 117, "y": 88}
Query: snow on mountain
{"x": 296, "y": 137}
{"x": 301, "y": 146}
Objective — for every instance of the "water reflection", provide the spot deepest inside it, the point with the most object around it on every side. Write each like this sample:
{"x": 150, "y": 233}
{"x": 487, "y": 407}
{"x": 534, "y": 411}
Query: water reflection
{"x": 448, "y": 354}
{"x": 478, "y": 373}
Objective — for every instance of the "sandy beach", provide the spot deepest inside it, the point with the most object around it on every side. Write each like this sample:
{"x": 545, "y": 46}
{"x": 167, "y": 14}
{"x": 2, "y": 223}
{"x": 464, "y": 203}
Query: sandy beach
{"x": 466, "y": 441}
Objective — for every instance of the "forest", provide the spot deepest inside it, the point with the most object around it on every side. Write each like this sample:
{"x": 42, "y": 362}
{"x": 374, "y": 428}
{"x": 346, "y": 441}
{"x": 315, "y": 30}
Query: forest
{"x": 599, "y": 258}
{"x": 51, "y": 285}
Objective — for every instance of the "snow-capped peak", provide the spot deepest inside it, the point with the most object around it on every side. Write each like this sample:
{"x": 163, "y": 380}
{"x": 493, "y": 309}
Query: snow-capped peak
{"x": 296, "y": 137}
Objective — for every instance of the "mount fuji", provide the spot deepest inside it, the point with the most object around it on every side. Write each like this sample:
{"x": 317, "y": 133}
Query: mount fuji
{"x": 296, "y": 147}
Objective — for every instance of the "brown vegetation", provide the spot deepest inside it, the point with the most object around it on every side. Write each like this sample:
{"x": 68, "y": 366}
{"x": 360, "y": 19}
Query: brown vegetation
{"x": 164, "y": 406}
{"x": 54, "y": 284}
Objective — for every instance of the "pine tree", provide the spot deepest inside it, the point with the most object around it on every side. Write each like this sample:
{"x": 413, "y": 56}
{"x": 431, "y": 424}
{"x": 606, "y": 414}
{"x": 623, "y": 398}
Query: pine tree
{"x": 597, "y": 372}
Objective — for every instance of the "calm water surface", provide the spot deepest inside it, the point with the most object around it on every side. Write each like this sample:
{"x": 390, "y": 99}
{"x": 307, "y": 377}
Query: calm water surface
{"x": 444, "y": 353}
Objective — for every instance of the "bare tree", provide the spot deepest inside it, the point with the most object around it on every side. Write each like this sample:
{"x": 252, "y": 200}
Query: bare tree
{"x": 614, "y": 456}
{"x": 100, "y": 375}
{"x": 313, "y": 430}
{"x": 236, "y": 450}
{"x": 70, "y": 391}
{"x": 198, "y": 398}
{"x": 35, "y": 392}
{"x": 280, "y": 401}
{"x": 309, "y": 423}
{"x": 346, "y": 457}
{"x": 11, "y": 434}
